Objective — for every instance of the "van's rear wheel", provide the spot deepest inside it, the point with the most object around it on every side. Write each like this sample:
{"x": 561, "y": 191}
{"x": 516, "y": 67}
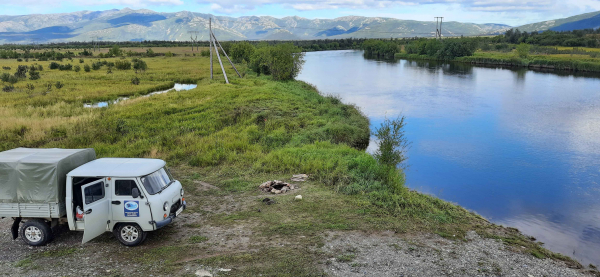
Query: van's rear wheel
{"x": 36, "y": 232}
{"x": 129, "y": 234}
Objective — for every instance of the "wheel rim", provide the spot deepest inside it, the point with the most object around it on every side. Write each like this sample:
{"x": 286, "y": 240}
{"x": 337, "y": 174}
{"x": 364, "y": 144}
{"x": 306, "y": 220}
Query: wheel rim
{"x": 33, "y": 234}
{"x": 129, "y": 233}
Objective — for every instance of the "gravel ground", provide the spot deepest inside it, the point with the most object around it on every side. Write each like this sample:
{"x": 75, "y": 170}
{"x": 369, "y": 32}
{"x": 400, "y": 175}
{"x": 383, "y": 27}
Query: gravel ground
{"x": 390, "y": 255}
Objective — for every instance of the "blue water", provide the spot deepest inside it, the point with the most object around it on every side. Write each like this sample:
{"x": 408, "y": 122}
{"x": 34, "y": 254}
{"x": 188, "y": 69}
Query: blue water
{"x": 177, "y": 87}
{"x": 519, "y": 147}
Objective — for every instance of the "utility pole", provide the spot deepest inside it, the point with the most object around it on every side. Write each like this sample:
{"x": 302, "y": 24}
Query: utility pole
{"x": 438, "y": 27}
{"x": 225, "y": 53}
{"x": 210, "y": 46}
{"x": 194, "y": 39}
{"x": 95, "y": 43}
{"x": 219, "y": 57}
{"x": 213, "y": 44}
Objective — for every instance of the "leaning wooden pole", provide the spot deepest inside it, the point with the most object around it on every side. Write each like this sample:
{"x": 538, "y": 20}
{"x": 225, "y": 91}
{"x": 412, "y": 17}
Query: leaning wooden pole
{"x": 225, "y": 53}
{"x": 221, "y": 63}
{"x": 210, "y": 47}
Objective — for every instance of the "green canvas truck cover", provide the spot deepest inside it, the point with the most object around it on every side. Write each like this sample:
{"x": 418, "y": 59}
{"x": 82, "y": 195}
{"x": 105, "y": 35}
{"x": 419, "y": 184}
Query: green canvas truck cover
{"x": 31, "y": 175}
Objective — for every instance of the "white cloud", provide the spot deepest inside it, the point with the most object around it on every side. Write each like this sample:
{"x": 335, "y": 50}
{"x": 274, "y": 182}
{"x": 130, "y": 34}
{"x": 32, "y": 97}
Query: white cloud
{"x": 493, "y": 6}
{"x": 131, "y": 3}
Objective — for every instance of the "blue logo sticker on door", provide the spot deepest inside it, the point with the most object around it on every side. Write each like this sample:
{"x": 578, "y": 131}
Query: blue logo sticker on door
{"x": 132, "y": 208}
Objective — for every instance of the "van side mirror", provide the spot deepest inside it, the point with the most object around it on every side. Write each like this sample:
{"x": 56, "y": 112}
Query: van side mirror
{"x": 135, "y": 193}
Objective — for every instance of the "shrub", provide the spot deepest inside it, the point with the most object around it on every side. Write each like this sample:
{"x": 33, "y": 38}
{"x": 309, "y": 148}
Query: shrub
{"x": 523, "y": 50}
{"x": 286, "y": 61}
{"x": 6, "y": 68}
{"x": 123, "y": 65}
{"x": 19, "y": 60}
{"x": 97, "y": 65}
{"x": 65, "y": 67}
{"x": 40, "y": 67}
{"x": 241, "y": 51}
{"x": 4, "y": 77}
{"x": 204, "y": 53}
{"x": 54, "y": 65}
{"x": 260, "y": 61}
{"x": 30, "y": 87}
{"x": 34, "y": 75}
{"x": 135, "y": 81}
{"x": 87, "y": 68}
{"x": 150, "y": 53}
{"x": 115, "y": 51}
{"x": 12, "y": 79}
{"x": 59, "y": 85}
{"x": 8, "y": 88}
{"x": 139, "y": 65}
{"x": 21, "y": 71}
{"x": 392, "y": 142}
{"x": 77, "y": 68}
{"x": 169, "y": 54}
{"x": 81, "y": 61}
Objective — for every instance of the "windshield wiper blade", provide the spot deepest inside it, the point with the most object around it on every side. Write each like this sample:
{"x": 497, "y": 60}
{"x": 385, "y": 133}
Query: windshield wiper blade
{"x": 163, "y": 188}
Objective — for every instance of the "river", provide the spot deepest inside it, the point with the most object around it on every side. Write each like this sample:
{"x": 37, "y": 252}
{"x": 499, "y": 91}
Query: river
{"x": 519, "y": 147}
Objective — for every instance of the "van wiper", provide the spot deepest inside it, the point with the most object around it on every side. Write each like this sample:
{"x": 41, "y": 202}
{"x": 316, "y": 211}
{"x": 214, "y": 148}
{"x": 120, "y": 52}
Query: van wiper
{"x": 163, "y": 188}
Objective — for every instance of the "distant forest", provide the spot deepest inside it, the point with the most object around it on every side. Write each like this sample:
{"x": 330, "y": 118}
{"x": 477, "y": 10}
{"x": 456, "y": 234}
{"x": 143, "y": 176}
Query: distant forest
{"x": 577, "y": 38}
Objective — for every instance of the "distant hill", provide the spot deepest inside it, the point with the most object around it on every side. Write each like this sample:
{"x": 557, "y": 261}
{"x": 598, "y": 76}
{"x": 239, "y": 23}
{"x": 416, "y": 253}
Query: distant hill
{"x": 136, "y": 25}
{"x": 589, "y": 23}
{"x": 565, "y": 24}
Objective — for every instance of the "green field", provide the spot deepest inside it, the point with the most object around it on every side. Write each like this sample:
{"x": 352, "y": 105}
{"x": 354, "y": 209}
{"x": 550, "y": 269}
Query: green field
{"x": 235, "y": 137}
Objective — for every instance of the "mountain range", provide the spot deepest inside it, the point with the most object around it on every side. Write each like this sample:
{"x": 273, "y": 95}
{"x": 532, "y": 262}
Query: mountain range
{"x": 582, "y": 21}
{"x": 137, "y": 25}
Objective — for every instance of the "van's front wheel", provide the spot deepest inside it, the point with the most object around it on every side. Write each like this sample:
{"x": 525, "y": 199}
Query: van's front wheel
{"x": 36, "y": 232}
{"x": 129, "y": 234}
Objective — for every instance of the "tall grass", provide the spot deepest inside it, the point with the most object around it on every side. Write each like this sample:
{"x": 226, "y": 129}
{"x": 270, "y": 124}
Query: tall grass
{"x": 253, "y": 126}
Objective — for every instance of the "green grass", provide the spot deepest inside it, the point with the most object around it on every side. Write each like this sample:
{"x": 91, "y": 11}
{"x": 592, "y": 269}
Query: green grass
{"x": 24, "y": 263}
{"x": 554, "y": 61}
{"x": 346, "y": 258}
{"x": 198, "y": 239}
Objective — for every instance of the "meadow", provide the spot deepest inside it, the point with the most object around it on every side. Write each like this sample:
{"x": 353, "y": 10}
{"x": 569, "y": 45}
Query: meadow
{"x": 234, "y": 136}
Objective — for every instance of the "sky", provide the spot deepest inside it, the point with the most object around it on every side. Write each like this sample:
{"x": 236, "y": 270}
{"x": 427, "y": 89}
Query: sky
{"x": 510, "y": 12}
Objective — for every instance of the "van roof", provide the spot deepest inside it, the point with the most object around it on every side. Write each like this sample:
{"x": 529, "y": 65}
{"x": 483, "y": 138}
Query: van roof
{"x": 118, "y": 167}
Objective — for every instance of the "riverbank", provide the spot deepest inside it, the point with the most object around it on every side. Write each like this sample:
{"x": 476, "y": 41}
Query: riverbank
{"x": 564, "y": 62}
{"x": 222, "y": 141}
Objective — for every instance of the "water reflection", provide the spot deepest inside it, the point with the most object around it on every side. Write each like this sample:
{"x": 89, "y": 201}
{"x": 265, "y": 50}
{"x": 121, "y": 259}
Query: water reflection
{"x": 520, "y": 147}
{"x": 104, "y": 104}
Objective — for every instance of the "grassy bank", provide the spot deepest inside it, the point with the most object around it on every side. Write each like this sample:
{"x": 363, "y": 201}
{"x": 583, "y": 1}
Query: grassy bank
{"x": 566, "y": 62}
{"x": 235, "y": 137}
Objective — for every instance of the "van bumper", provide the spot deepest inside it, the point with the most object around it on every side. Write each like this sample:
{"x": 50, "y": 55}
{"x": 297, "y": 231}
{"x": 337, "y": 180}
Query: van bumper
{"x": 169, "y": 219}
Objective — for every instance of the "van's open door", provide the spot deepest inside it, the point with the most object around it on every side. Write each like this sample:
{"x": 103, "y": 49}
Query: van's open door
{"x": 96, "y": 207}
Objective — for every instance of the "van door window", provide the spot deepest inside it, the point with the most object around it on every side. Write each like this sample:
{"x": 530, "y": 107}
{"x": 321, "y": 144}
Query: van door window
{"x": 94, "y": 193}
{"x": 124, "y": 187}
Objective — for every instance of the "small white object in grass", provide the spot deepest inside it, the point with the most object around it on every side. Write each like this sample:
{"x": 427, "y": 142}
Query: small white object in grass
{"x": 203, "y": 273}
{"x": 225, "y": 269}
{"x": 298, "y": 197}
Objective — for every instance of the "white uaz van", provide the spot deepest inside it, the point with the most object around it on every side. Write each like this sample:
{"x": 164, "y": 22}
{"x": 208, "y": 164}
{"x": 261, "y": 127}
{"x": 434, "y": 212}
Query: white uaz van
{"x": 46, "y": 187}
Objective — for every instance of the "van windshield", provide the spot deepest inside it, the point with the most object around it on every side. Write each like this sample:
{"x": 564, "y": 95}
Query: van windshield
{"x": 156, "y": 181}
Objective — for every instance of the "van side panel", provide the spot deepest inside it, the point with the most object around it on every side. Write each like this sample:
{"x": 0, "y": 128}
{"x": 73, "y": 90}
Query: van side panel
{"x": 33, "y": 210}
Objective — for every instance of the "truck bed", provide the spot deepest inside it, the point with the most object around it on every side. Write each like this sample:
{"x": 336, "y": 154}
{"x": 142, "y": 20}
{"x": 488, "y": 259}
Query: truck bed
{"x": 33, "y": 210}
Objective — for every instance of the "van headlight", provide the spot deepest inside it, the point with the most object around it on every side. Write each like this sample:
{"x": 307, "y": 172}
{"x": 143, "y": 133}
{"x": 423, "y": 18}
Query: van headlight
{"x": 181, "y": 192}
{"x": 166, "y": 206}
